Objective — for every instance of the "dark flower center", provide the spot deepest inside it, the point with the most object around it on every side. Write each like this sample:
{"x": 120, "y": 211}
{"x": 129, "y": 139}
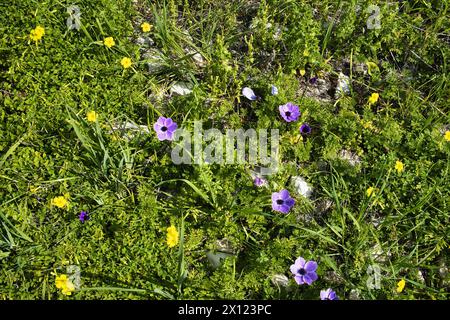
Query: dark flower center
{"x": 288, "y": 113}
{"x": 280, "y": 202}
{"x": 302, "y": 271}
{"x": 163, "y": 129}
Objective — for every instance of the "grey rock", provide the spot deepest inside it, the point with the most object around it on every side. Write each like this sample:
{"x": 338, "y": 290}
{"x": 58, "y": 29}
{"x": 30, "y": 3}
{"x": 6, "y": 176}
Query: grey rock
{"x": 280, "y": 280}
{"x": 181, "y": 88}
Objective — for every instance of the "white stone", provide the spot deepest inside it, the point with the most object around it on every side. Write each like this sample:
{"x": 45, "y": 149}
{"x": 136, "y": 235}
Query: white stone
{"x": 378, "y": 254}
{"x": 277, "y": 34}
{"x": 216, "y": 258}
{"x": 140, "y": 41}
{"x": 155, "y": 61}
{"x": 130, "y": 126}
{"x": 443, "y": 271}
{"x": 280, "y": 280}
{"x": 349, "y": 156}
{"x": 342, "y": 87}
{"x": 224, "y": 245}
{"x": 302, "y": 187}
{"x": 420, "y": 276}
{"x": 354, "y": 294}
{"x": 198, "y": 59}
{"x": 181, "y": 88}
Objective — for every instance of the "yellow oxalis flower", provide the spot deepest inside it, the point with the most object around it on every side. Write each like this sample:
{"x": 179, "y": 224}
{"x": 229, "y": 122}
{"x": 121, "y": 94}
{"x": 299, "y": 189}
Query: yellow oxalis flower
{"x": 60, "y": 202}
{"x": 399, "y": 166}
{"x": 60, "y": 281}
{"x": 447, "y": 135}
{"x": 91, "y": 116}
{"x": 126, "y": 62}
{"x": 302, "y": 72}
{"x": 146, "y": 27}
{"x": 109, "y": 42}
{"x": 373, "y": 98}
{"x": 368, "y": 125}
{"x": 63, "y": 282}
{"x": 37, "y": 33}
{"x": 370, "y": 191}
{"x": 172, "y": 236}
{"x": 401, "y": 285}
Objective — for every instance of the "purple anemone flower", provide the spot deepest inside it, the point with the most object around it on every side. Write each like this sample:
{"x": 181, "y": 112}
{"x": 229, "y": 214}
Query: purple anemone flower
{"x": 305, "y": 129}
{"x": 304, "y": 272}
{"x": 328, "y": 295}
{"x": 165, "y": 127}
{"x": 282, "y": 201}
{"x": 274, "y": 90}
{"x": 84, "y": 216}
{"x": 289, "y": 112}
{"x": 259, "y": 181}
{"x": 313, "y": 80}
{"x": 249, "y": 94}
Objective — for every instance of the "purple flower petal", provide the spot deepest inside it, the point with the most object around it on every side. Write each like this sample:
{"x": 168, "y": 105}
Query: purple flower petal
{"x": 332, "y": 295}
{"x": 157, "y": 126}
{"x": 282, "y": 201}
{"x": 83, "y": 216}
{"x": 169, "y": 135}
{"x": 168, "y": 122}
{"x": 299, "y": 279}
{"x": 281, "y": 208}
{"x": 161, "y": 136}
{"x": 311, "y": 266}
{"x": 284, "y": 208}
{"x": 259, "y": 181}
{"x": 290, "y": 112}
{"x": 299, "y": 263}
{"x": 249, "y": 94}
{"x": 275, "y": 196}
{"x": 308, "y": 279}
{"x": 300, "y": 270}
{"x": 277, "y": 207}
{"x": 294, "y": 268}
{"x": 161, "y": 121}
{"x": 165, "y": 128}
{"x": 289, "y": 202}
{"x": 284, "y": 194}
{"x": 172, "y": 127}
{"x": 274, "y": 90}
{"x": 328, "y": 295}
{"x": 305, "y": 129}
{"x": 313, "y": 276}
